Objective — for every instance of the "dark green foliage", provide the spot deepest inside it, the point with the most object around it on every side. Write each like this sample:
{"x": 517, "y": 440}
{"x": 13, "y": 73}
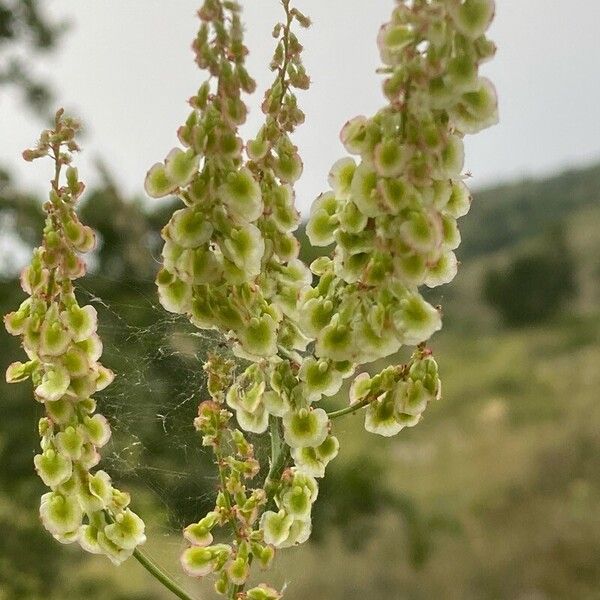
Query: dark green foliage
{"x": 21, "y": 212}
{"x": 354, "y": 494}
{"x": 536, "y": 283}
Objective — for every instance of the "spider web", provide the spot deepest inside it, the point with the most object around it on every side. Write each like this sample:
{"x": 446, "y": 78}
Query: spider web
{"x": 155, "y": 453}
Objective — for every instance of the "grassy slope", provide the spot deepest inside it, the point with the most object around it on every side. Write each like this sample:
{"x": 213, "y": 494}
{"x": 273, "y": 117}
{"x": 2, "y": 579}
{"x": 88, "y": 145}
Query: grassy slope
{"x": 510, "y": 458}
{"x": 507, "y": 466}
{"x": 505, "y": 214}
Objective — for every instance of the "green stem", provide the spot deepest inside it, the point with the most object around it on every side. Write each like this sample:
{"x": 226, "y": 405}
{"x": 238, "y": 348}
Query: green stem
{"x": 228, "y": 500}
{"x": 154, "y": 569}
{"x": 279, "y": 452}
{"x": 160, "y": 575}
{"x": 286, "y": 45}
{"x": 275, "y": 447}
{"x": 350, "y": 409}
{"x": 233, "y": 588}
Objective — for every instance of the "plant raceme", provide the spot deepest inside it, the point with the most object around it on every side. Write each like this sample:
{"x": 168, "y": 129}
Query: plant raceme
{"x": 230, "y": 260}
{"x": 230, "y": 263}
{"x": 63, "y": 350}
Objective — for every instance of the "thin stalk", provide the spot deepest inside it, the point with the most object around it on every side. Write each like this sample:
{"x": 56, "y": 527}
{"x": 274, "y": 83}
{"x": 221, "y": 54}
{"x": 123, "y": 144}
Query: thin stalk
{"x": 233, "y": 588}
{"x": 228, "y": 500}
{"x": 154, "y": 569}
{"x": 279, "y": 453}
{"x": 276, "y": 448}
{"x": 349, "y": 409}
{"x": 160, "y": 575}
{"x": 286, "y": 45}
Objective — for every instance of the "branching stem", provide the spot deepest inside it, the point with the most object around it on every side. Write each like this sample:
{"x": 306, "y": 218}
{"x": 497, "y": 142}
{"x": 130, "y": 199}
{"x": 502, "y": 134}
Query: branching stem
{"x": 160, "y": 575}
{"x": 349, "y": 409}
{"x": 286, "y": 45}
{"x": 233, "y": 589}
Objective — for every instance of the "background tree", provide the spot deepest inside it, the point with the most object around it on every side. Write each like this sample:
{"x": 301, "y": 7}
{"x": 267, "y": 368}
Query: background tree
{"x": 25, "y": 30}
{"x": 536, "y": 283}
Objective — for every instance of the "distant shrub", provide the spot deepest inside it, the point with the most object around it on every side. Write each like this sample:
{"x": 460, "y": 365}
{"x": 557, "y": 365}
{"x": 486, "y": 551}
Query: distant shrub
{"x": 535, "y": 284}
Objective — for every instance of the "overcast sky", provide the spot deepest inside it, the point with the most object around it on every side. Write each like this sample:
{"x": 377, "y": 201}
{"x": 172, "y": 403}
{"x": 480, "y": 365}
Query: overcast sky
{"x": 126, "y": 69}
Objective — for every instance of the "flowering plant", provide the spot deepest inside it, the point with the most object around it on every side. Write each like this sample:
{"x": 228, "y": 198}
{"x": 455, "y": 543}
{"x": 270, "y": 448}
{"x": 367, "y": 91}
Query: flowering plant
{"x": 60, "y": 340}
{"x": 230, "y": 263}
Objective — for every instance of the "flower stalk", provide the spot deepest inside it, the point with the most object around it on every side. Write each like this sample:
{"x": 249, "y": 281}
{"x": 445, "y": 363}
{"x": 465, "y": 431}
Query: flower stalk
{"x": 231, "y": 259}
{"x": 164, "y": 578}
{"x": 349, "y": 410}
{"x": 230, "y": 263}
{"x": 63, "y": 349}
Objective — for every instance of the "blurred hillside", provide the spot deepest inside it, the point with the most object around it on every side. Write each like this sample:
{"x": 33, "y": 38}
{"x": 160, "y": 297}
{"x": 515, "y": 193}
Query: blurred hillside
{"x": 508, "y": 214}
{"x": 494, "y": 495}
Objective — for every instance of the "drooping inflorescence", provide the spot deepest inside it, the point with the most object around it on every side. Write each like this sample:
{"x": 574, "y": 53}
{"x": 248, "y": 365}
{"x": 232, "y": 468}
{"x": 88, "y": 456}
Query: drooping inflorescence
{"x": 230, "y": 263}
{"x": 63, "y": 349}
{"x": 230, "y": 259}
{"x": 392, "y": 213}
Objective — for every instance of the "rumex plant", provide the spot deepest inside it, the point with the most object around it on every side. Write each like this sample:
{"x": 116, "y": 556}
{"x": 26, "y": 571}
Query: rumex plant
{"x": 230, "y": 263}
{"x": 60, "y": 339}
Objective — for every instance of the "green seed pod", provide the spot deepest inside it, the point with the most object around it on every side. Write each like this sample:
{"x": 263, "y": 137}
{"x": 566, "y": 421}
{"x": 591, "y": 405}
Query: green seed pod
{"x": 305, "y": 428}
{"x": 157, "y": 183}
{"x": 61, "y": 515}
{"x": 276, "y": 527}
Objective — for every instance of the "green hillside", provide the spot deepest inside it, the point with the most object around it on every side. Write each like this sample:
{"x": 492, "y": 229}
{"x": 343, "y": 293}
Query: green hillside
{"x": 507, "y": 214}
{"x": 494, "y": 495}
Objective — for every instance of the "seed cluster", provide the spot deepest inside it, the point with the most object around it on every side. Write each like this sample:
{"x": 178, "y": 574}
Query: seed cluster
{"x": 230, "y": 260}
{"x": 63, "y": 348}
{"x": 392, "y": 212}
{"x": 230, "y": 263}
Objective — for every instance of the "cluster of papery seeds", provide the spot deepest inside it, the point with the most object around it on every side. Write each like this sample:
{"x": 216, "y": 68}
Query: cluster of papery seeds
{"x": 230, "y": 263}
{"x": 392, "y": 215}
{"x": 230, "y": 259}
{"x": 397, "y": 396}
{"x": 238, "y": 220}
{"x": 60, "y": 339}
{"x": 236, "y": 507}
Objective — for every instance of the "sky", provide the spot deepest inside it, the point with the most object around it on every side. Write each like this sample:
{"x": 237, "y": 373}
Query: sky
{"x": 126, "y": 69}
